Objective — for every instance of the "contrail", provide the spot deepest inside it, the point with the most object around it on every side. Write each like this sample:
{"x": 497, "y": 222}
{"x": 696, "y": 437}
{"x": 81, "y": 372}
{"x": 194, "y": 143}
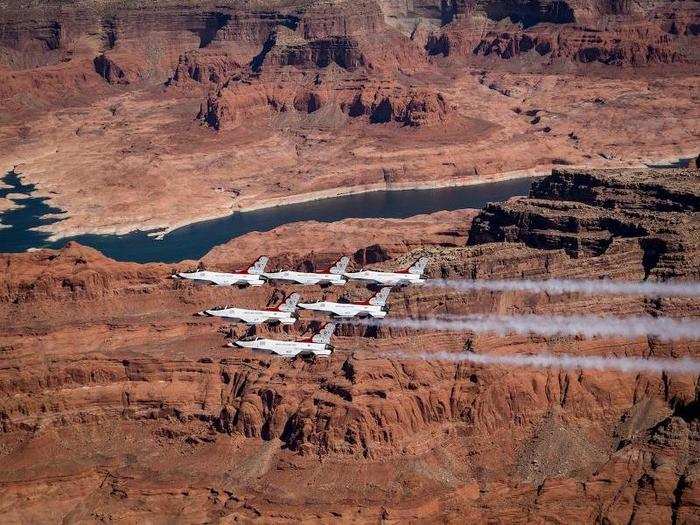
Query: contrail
{"x": 663, "y": 328}
{"x": 561, "y": 286}
{"x": 622, "y": 364}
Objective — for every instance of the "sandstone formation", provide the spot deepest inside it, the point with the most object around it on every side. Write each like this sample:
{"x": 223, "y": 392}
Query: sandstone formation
{"x": 118, "y": 404}
{"x": 241, "y": 104}
{"x": 612, "y": 33}
{"x": 596, "y": 210}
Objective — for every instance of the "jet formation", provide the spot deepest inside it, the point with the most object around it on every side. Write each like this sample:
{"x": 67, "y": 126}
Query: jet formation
{"x": 286, "y": 312}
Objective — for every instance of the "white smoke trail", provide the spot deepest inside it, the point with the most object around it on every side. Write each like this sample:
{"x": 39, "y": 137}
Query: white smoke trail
{"x": 663, "y": 328}
{"x": 566, "y": 362}
{"x": 562, "y": 286}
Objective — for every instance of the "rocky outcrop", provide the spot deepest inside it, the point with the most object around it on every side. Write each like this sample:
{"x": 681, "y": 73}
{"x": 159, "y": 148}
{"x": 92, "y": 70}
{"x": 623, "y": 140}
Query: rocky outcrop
{"x": 289, "y": 49}
{"x": 377, "y": 103}
{"x": 410, "y": 108}
{"x": 112, "y": 72}
{"x": 234, "y": 107}
{"x": 145, "y": 42}
{"x": 206, "y": 67}
{"x": 584, "y": 212}
{"x": 611, "y": 33}
{"x": 628, "y": 46}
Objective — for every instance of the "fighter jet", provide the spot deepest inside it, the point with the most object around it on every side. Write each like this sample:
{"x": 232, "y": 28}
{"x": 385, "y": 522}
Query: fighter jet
{"x": 412, "y": 275}
{"x": 244, "y": 277}
{"x": 375, "y": 307}
{"x": 282, "y": 313}
{"x": 318, "y": 345}
{"x": 332, "y": 275}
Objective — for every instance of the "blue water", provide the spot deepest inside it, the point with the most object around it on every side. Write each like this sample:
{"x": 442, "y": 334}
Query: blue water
{"x": 193, "y": 241}
{"x": 29, "y": 215}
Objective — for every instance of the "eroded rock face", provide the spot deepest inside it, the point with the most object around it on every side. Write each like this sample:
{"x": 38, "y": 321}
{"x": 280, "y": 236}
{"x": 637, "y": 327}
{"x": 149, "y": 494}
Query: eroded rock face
{"x": 286, "y": 100}
{"x": 618, "y": 33}
{"x": 410, "y": 108}
{"x": 375, "y": 104}
{"x": 612, "y": 33}
{"x": 145, "y": 42}
{"x": 105, "y": 364}
{"x": 119, "y": 404}
{"x": 582, "y": 212}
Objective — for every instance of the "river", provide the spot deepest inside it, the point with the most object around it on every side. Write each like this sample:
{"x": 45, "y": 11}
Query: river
{"x": 193, "y": 241}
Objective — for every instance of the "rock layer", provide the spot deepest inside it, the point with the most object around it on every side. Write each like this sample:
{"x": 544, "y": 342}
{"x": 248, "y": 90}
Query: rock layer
{"x": 584, "y": 212}
{"x": 119, "y": 404}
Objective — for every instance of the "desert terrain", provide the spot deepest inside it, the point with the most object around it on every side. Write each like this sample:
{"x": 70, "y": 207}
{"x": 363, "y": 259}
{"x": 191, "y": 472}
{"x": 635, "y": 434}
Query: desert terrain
{"x": 238, "y": 105}
{"x": 120, "y": 404}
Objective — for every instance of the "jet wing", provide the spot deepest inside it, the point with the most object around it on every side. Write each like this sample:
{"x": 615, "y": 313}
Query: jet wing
{"x": 289, "y": 278}
{"x": 309, "y": 279}
{"x": 252, "y": 318}
{"x": 383, "y": 281}
{"x": 344, "y": 311}
{"x": 220, "y": 279}
{"x": 395, "y": 280}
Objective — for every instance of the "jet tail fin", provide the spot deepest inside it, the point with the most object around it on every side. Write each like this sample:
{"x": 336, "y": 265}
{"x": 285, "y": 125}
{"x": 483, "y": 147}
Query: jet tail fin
{"x": 340, "y": 266}
{"x": 259, "y": 266}
{"x": 380, "y": 297}
{"x": 325, "y": 334}
{"x": 290, "y": 303}
{"x": 418, "y": 267}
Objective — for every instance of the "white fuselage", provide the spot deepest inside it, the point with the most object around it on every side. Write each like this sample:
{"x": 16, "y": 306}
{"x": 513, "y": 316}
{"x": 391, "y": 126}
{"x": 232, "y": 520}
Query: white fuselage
{"x": 306, "y": 278}
{"x": 252, "y": 316}
{"x": 286, "y": 348}
{"x": 223, "y": 279}
{"x": 346, "y": 310}
{"x": 386, "y": 278}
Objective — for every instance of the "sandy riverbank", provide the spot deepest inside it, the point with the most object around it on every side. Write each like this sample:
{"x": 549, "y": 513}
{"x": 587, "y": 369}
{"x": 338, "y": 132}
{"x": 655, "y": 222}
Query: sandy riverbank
{"x": 150, "y": 167}
{"x": 57, "y": 233}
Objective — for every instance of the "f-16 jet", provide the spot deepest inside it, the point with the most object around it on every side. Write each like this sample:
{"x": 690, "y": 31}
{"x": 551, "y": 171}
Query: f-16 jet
{"x": 318, "y": 345}
{"x": 245, "y": 277}
{"x": 412, "y": 275}
{"x": 283, "y": 313}
{"x": 331, "y": 275}
{"x": 374, "y": 307}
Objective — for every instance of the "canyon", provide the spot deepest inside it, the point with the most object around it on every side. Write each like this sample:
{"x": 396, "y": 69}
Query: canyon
{"x": 118, "y": 403}
{"x": 241, "y": 104}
